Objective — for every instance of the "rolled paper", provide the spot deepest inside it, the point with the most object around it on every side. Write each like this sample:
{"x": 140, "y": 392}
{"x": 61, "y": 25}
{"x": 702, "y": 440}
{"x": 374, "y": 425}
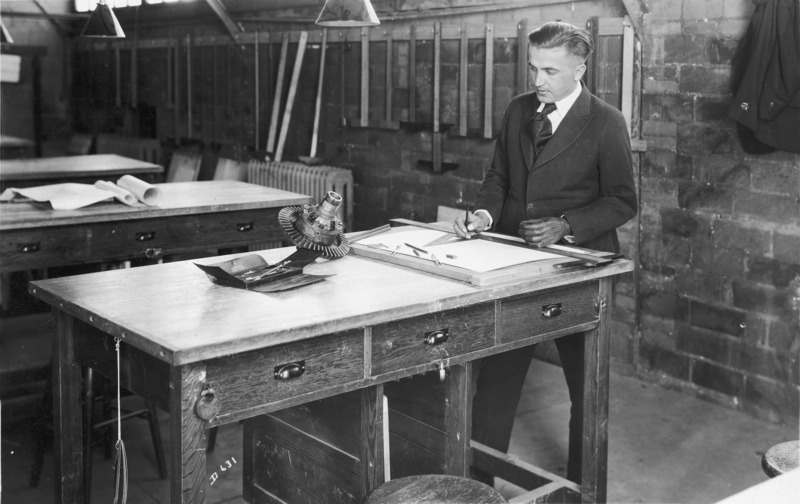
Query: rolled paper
{"x": 144, "y": 192}
{"x": 119, "y": 193}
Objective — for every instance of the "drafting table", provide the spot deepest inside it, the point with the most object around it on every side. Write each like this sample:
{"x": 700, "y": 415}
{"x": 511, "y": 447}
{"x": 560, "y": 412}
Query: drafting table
{"x": 82, "y": 169}
{"x": 192, "y": 216}
{"x": 363, "y": 327}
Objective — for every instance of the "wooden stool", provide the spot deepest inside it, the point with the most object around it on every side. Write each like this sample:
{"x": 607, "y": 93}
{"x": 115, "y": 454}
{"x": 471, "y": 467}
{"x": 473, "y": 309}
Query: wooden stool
{"x": 434, "y": 489}
{"x": 781, "y": 458}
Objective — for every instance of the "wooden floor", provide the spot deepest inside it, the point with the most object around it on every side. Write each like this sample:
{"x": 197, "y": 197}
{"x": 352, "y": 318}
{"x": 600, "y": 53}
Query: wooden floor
{"x": 664, "y": 447}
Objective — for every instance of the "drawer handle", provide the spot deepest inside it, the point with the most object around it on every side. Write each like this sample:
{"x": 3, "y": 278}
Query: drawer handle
{"x": 27, "y": 248}
{"x": 153, "y": 253}
{"x": 436, "y": 337}
{"x": 599, "y": 305}
{"x": 207, "y": 405}
{"x": 551, "y": 310}
{"x": 290, "y": 370}
{"x": 147, "y": 236}
{"x": 244, "y": 227}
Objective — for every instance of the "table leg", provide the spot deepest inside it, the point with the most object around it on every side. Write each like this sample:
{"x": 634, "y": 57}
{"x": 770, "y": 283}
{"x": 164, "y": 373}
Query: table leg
{"x": 5, "y": 291}
{"x": 88, "y": 429}
{"x": 187, "y": 451}
{"x": 459, "y": 420}
{"x": 372, "y": 441}
{"x": 67, "y": 414}
{"x": 595, "y": 401}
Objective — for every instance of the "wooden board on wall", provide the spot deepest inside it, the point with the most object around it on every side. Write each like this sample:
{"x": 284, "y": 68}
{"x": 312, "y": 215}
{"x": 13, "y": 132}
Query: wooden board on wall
{"x": 226, "y": 107}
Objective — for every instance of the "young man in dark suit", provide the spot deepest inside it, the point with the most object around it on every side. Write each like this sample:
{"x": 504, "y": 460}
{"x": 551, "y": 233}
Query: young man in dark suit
{"x": 562, "y": 172}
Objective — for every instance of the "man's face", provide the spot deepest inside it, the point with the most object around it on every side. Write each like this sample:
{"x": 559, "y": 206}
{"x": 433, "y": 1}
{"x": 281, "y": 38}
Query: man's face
{"x": 554, "y": 73}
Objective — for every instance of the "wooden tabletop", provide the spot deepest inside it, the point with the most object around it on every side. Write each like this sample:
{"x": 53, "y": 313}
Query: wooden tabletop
{"x": 174, "y": 312}
{"x": 12, "y": 141}
{"x": 90, "y": 165}
{"x": 179, "y": 198}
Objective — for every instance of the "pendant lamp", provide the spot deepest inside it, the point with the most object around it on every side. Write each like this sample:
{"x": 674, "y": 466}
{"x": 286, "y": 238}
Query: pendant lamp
{"x": 102, "y": 23}
{"x": 347, "y": 13}
{"x": 4, "y": 35}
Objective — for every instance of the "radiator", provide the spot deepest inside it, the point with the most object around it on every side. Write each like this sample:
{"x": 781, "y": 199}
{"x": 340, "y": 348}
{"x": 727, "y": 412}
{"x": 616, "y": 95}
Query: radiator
{"x": 314, "y": 181}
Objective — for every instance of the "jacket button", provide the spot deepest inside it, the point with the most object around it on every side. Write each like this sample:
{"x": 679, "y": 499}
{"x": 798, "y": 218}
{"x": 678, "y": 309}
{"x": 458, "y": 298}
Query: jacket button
{"x": 530, "y": 206}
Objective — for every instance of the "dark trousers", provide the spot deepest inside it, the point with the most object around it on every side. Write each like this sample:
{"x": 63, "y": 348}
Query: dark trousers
{"x": 498, "y": 388}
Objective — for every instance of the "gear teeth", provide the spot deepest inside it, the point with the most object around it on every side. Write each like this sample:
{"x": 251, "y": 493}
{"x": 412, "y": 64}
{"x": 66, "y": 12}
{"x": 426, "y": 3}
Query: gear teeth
{"x": 289, "y": 215}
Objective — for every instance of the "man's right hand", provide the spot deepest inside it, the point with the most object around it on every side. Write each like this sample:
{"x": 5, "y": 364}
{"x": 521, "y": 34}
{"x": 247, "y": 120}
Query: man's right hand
{"x": 469, "y": 229}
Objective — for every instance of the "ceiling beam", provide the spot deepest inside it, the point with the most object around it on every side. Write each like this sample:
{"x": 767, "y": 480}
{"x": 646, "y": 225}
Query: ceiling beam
{"x": 59, "y": 29}
{"x": 222, "y": 12}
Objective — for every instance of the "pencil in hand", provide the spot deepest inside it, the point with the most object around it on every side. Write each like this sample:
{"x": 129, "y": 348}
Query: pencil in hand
{"x": 466, "y": 222}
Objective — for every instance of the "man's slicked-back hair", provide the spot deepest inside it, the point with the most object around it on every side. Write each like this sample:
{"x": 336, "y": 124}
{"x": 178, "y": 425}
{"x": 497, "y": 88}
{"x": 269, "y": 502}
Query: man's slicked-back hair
{"x": 556, "y": 34}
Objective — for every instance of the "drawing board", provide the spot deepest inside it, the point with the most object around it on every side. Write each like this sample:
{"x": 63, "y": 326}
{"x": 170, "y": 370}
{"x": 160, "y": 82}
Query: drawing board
{"x": 475, "y": 261}
{"x": 474, "y": 255}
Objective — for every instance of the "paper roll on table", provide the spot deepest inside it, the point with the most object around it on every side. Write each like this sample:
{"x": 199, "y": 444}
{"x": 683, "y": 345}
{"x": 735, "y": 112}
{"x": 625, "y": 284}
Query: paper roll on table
{"x": 141, "y": 190}
{"x": 119, "y": 193}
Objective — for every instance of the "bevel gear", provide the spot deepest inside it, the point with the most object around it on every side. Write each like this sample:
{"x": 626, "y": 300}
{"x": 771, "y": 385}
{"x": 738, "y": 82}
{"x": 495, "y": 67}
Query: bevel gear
{"x": 316, "y": 227}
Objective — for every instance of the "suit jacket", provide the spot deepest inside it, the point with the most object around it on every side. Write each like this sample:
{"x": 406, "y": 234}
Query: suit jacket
{"x": 584, "y": 172}
{"x": 767, "y": 97}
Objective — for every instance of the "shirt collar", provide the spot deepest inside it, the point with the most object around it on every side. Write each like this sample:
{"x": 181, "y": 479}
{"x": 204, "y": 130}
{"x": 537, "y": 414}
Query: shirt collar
{"x": 564, "y": 104}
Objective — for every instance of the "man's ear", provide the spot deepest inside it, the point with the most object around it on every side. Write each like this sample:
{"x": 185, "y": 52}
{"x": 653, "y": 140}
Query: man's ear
{"x": 579, "y": 71}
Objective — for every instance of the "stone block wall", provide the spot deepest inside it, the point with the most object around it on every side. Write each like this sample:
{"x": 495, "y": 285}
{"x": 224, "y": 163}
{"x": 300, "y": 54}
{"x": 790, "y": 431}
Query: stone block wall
{"x": 720, "y": 229}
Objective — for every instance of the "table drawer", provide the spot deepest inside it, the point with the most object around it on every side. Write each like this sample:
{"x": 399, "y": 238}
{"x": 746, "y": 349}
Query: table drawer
{"x": 156, "y": 237}
{"x": 240, "y": 228}
{"x": 143, "y": 238}
{"x": 262, "y": 377}
{"x": 30, "y": 249}
{"x": 429, "y": 338}
{"x": 551, "y": 310}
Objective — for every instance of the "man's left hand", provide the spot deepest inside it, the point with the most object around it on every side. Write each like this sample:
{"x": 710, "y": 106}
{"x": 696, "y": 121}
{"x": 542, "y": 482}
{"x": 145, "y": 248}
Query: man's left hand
{"x": 543, "y": 232}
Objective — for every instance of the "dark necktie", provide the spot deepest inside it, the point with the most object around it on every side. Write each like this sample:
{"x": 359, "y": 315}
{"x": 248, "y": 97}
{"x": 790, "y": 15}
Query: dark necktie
{"x": 542, "y": 128}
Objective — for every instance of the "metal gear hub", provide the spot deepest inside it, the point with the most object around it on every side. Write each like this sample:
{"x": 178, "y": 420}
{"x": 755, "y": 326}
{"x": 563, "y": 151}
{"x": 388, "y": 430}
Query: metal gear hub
{"x": 316, "y": 227}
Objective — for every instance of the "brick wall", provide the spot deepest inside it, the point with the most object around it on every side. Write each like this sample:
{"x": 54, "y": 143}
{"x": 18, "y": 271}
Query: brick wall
{"x": 720, "y": 235}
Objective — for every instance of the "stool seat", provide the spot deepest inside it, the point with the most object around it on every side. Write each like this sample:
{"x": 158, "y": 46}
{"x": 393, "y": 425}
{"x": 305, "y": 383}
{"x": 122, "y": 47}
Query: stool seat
{"x": 781, "y": 458}
{"x": 434, "y": 489}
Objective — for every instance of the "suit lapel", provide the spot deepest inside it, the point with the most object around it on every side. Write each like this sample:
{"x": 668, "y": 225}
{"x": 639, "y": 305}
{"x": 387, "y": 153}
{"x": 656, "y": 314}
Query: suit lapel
{"x": 526, "y": 130}
{"x": 577, "y": 119}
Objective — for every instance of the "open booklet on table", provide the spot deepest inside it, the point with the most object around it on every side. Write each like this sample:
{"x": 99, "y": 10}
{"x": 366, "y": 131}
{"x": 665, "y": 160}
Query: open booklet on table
{"x": 253, "y": 272}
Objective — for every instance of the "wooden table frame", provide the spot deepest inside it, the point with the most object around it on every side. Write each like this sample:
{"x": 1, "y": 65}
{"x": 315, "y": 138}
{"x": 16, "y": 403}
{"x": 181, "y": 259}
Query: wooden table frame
{"x": 369, "y": 313}
{"x": 86, "y": 169}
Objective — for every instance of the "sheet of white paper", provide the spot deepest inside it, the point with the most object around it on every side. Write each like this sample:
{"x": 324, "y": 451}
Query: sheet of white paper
{"x": 474, "y": 254}
{"x": 68, "y": 196}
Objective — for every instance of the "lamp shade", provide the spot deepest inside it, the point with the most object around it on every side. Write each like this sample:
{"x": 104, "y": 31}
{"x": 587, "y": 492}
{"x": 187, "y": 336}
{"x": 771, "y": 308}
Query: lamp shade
{"x": 4, "y": 35}
{"x": 347, "y": 13}
{"x": 102, "y": 23}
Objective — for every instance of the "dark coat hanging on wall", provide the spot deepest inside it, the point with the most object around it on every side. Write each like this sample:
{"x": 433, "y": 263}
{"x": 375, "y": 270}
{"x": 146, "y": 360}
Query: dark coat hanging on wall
{"x": 766, "y": 79}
